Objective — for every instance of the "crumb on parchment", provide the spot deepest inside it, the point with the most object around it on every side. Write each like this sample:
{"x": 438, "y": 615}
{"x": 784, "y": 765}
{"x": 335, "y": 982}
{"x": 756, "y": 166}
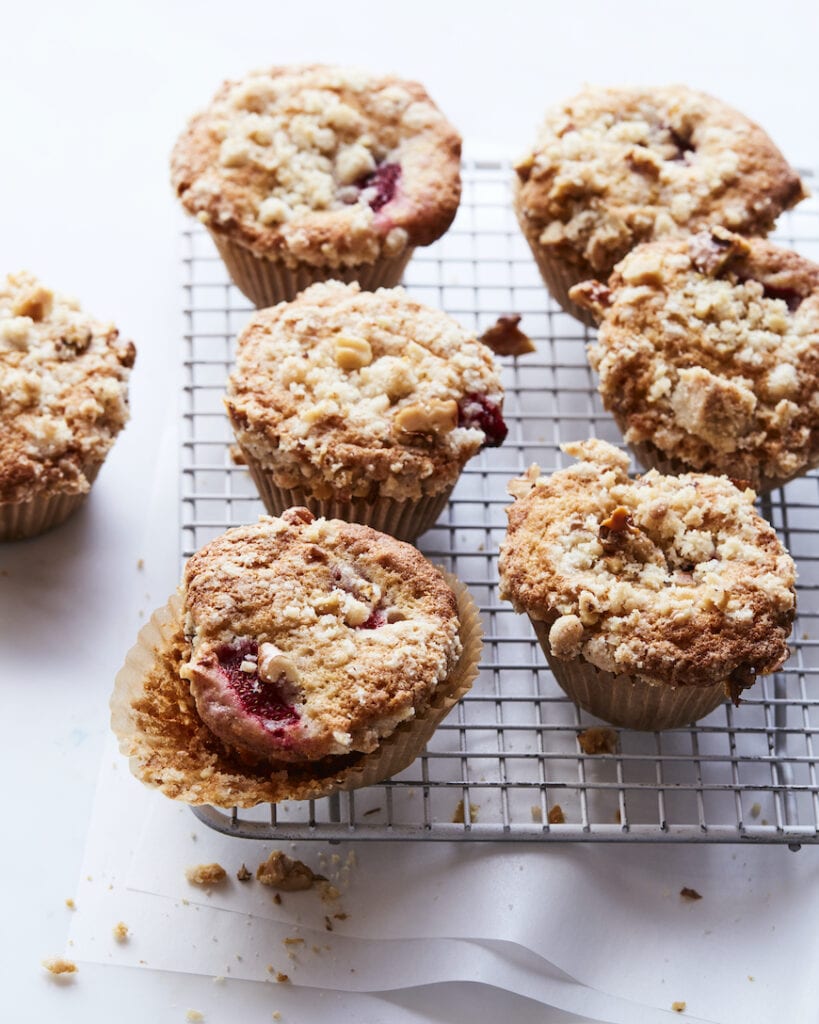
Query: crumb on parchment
{"x": 194, "y": 1015}
{"x": 679, "y": 1006}
{"x": 690, "y": 894}
{"x": 120, "y": 931}
{"x": 205, "y": 874}
{"x": 286, "y": 874}
{"x": 59, "y": 965}
{"x": 70, "y": 904}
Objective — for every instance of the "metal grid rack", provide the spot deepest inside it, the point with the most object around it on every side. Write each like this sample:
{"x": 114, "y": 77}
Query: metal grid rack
{"x": 508, "y": 755}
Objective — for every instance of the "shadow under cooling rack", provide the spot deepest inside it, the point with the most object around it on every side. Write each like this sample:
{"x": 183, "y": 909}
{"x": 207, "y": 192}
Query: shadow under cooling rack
{"x": 507, "y": 763}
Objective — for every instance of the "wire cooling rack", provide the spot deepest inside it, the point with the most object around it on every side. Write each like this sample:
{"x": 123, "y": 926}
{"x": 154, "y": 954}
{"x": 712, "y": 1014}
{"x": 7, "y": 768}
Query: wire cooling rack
{"x": 507, "y": 763}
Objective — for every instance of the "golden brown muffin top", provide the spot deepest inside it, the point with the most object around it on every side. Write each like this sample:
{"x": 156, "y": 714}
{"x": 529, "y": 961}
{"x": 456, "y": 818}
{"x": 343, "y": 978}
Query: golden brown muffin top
{"x": 673, "y": 580}
{"x": 313, "y": 638}
{"x": 709, "y": 348}
{"x": 63, "y": 390}
{"x": 363, "y": 393}
{"x": 321, "y": 165}
{"x": 614, "y": 167}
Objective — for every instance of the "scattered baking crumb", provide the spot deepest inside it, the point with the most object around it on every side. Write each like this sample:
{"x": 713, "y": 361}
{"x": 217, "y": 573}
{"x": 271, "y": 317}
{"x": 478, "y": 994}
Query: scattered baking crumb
{"x": 70, "y": 904}
{"x": 120, "y": 931}
{"x": 276, "y": 1015}
{"x": 556, "y": 815}
{"x": 751, "y": 977}
{"x": 537, "y": 812}
{"x": 205, "y": 874}
{"x": 140, "y": 564}
{"x": 282, "y": 979}
{"x": 341, "y": 916}
{"x": 328, "y": 924}
{"x": 764, "y": 821}
{"x": 505, "y": 338}
{"x": 282, "y": 872}
{"x": 59, "y": 965}
{"x": 689, "y": 894}
{"x": 372, "y": 810}
{"x": 193, "y": 1015}
{"x": 329, "y": 893}
{"x": 756, "y": 810}
{"x": 277, "y": 899}
{"x": 679, "y": 1006}
{"x": 218, "y": 979}
{"x": 293, "y": 940}
{"x": 596, "y": 740}
{"x": 458, "y": 814}
{"x": 243, "y": 874}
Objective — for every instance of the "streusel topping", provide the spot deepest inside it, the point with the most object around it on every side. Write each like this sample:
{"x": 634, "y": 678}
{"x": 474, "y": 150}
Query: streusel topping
{"x": 709, "y": 348}
{"x": 313, "y": 638}
{"x": 352, "y": 392}
{"x": 670, "y": 579}
{"x": 614, "y": 167}
{"x": 63, "y": 394}
{"x": 323, "y": 165}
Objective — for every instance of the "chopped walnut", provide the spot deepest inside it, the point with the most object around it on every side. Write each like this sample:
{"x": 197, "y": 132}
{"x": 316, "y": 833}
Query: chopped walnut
{"x": 59, "y": 965}
{"x": 282, "y": 872}
{"x": 205, "y": 874}
{"x": 505, "y": 338}
{"x": 679, "y": 1006}
{"x": 556, "y": 815}
{"x": 433, "y": 417}
{"x": 597, "y": 740}
{"x": 243, "y": 874}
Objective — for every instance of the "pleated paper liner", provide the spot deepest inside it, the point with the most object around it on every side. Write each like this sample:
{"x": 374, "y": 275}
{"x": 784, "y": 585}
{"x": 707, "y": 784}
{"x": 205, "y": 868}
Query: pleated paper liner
{"x": 405, "y": 520}
{"x": 625, "y": 701}
{"x": 154, "y": 717}
{"x": 266, "y": 282}
{"x": 23, "y": 519}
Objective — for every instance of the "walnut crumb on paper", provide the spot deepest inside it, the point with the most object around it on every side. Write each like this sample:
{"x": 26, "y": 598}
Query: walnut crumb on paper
{"x": 458, "y": 815}
{"x": 120, "y": 930}
{"x": 194, "y": 1015}
{"x": 243, "y": 874}
{"x": 276, "y": 1015}
{"x": 286, "y": 874}
{"x": 70, "y": 904}
{"x": 596, "y": 740}
{"x": 282, "y": 979}
{"x": 59, "y": 965}
{"x": 689, "y": 894}
{"x": 679, "y": 1006}
{"x": 205, "y": 874}
{"x": 556, "y": 815}
{"x": 505, "y": 338}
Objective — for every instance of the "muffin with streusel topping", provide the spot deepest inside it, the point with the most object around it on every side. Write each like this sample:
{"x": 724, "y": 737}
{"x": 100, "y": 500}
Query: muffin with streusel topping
{"x": 708, "y": 355}
{"x": 615, "y": 167}
{"x": 652, "y": 598}
{"x": 306, "y": 173}
{"x": 300, "y": 656}
{"x": 63, "y": 400}
{"x": 362, "y": 405}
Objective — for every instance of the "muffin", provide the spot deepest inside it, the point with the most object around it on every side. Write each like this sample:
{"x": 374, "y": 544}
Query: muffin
{"x": 708, "y": 355}
{"x": 615, "y": 167}
{"x": 63, "y": 400}
{"x": 362, "y": 405}
{"x": 306, "y": 173}
{"x": 652, "y": 598}
{"x": 299, "y": 657}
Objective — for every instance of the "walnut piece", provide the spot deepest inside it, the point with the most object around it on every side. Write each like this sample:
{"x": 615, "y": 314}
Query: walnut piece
{"x": 433, "y": 417}
{"x": 556, "y": 815}
{"x": 505, "y": 338}
{"x": 352, "y": 353}
{"x": 286, "y": 874}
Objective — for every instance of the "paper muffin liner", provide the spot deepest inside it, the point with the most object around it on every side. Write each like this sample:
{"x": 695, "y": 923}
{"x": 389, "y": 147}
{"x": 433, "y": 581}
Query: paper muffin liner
{"x": 266, "y": 282}
{"x": 559, "y": 277}
{"x": 625, "y": 701}
{"x": 23, "y": 519}
{"x": 403, "y": 519}
{"x": 154, "y": 717}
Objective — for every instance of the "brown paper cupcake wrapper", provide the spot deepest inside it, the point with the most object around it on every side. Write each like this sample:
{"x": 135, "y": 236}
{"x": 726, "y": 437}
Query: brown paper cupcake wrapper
{"x": 625, "y": 701}
{"x": 559, "y": 277}
{"x": 154, "y": 718}
{"x": 404, "y": 520}
{"x": 24, "y": 519}
{"x": 266, "y": 282}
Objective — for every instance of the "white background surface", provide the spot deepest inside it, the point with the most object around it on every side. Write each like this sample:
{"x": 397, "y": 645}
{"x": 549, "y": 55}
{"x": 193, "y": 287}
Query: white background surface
{"x": 92, "y": 98}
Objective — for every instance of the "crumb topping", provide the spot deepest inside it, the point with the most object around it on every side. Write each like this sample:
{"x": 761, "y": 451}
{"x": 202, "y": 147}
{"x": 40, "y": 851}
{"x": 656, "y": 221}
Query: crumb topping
{"x": 323, "y": 165}
{"x": 709, "y": 348}
{"x": 63, "y": 395}
{"x": 354, "y": 393}
{"x": 698, "y": 591}
{"x": 314, "y": 638}
{"x": 614, "y": 167}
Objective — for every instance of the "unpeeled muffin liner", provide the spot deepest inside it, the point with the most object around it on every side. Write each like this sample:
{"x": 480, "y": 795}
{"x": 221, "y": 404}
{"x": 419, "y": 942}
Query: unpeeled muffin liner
{"x": 180, "y": 756}
{"x": 267, "y": 282}
{"x": 624, "y": 700}
{"x": 405, "y": 519}
{"x": 22, "y": 520}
